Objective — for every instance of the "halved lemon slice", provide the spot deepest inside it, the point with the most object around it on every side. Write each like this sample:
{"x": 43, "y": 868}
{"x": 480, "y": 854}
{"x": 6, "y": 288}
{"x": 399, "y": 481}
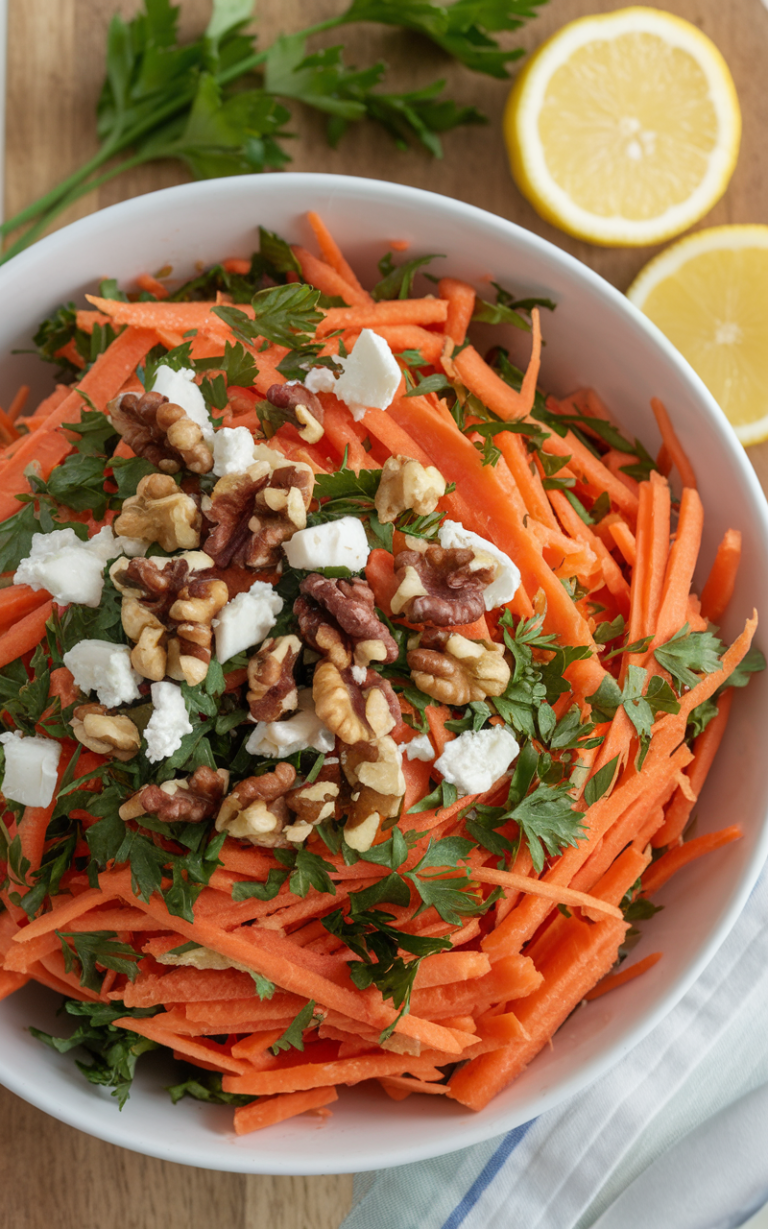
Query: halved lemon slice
{"x": 624, "y": 128}
{"x": 708, "y": 294}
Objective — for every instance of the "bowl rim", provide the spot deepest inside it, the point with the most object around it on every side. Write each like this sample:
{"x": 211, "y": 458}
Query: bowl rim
{"x": 476, "y": 1129}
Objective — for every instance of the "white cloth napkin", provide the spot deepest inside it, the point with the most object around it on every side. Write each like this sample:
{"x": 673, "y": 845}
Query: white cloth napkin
{"x": 564, "y": 1169}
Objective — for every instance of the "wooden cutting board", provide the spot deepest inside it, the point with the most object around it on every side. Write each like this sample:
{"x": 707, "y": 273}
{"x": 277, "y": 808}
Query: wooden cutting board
{"x": 51, "y": 1175}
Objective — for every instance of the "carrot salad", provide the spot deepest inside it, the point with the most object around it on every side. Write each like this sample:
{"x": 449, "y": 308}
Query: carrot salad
{"x": 356, "y": 695}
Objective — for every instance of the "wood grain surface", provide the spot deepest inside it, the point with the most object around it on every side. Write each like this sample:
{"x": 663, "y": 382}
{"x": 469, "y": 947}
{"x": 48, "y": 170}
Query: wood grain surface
{"x": 51, "y": 1176}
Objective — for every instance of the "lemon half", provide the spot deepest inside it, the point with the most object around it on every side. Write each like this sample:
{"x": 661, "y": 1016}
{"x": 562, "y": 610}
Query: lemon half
{"x": 708, "y": 294}
{"x": 624, "y": 128}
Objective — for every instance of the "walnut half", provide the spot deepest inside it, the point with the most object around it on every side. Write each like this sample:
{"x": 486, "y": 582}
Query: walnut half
{"x": 160, "y": 512}
{"x": 407, "y": 484}
{"x": 253, "y": 513}
{"x": 455, "y": 670}
{"x": 162, "y": 432}
{"x": 96, "y": 729}
{"x": 256, "y": 809}
{"x": 190, "y": 801}
{"x": 440, "y": 587}
{"x": 300, "y": 407}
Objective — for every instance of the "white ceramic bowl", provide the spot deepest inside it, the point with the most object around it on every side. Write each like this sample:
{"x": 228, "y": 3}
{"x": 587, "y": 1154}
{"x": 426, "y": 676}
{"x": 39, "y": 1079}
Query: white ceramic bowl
{"x": 595, "y": 337}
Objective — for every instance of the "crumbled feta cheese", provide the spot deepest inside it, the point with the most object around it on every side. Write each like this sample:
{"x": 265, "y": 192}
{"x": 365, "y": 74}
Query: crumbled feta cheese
{"x": 246, "y": 620}
{"x": 474, "y": 760}
{"x": 103, "y": 667}
{"x": 371, "y": 375}
{"x": 320, "y": 380}
{"x": 420, "y": 748}
{"x": 169, "y": 721}
{"x": 30, "y": 769}
{"x": 180, "y": 389}
{"x": 501, "y": 590}
{"x": 233, "y": 451}
{"x": 359, "y": 674}
{"x": 334, "y": 544}
{"x": 71, "y": 570}
{"x": 304, "y": 730}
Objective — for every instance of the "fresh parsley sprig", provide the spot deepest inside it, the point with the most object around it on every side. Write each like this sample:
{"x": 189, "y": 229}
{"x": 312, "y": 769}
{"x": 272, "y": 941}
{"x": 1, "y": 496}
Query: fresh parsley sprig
{"x": 201, "y": 104}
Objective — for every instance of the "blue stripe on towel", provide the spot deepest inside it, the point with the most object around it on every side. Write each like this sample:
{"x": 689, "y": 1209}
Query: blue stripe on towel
{"x": 487, "y": 1175}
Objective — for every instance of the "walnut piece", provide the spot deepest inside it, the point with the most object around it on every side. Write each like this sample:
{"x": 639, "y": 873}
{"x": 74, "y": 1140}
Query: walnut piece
{"x": 455, "y": 670}
{"x": 441, "y": 588}
{"x": 97, "y": 730}
{"x": 162, "y": 432}
{"x": 354, "y": 711}
{"x": 255, "y": 512}
{"x": 272, "y": 688}
{"x": 189, "y": 800}
{"x": 374, "y": 772}
{"x": 167, "y": 612}
{"x": 300, "y": 407}
{"x": 351, "y": 607}
{"x": 160, "y": 512}
{"x": 256, "y": 809}
{"x": 405, "y": 484}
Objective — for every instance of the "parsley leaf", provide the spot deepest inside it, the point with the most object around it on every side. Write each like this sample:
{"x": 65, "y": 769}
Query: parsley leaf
{"x": 293, "y": 1037}
{"x": 689, "y": 651}
{"x": 548, "y": 822}
{"x": 115, "y": 1050}
{"x": 206, "y": 1086}
{"x": 282, "y": 314}
{"x": 397, "y": 280}
{"x": 97, "y": 946}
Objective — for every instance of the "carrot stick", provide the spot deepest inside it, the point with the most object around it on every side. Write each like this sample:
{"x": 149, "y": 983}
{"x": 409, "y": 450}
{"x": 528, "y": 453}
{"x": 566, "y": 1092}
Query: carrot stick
{"x": 680, "y": 568}
{"x": 19, "y": 402}
{"x": 17, "y": 601}
{"x": 7, "y": 427}
{"x": 154, "y": 1030}
{"x": 585, "y": 955}
{"x": 614, "y": 980}
{"x": 25, "y": 634}
{"x": 658, "y": 554}
{"x": 460, "y": 297}
{"x": 557, "y": 893}
{"x": 528, "y": 387}
{"x": 704, "y": 751}
{"x": 149, "y": 283}
{"x": 405, "y": 1085}
{"x": 483, "y": 381}
{"x": 10, "y": 982}
{"x": 529, "y": 482}
{"x": 674, "y": 448}
{"x": 619, "y": 878}
{"x": 321, "y": 1075}
{"x": 65, "y": 908}
{"x": 393, "y": 312}
{"x": 332, "y": 254}
{"x": 592, "y": 470}
{"x": 447, "y": 967}
{"x": 324, "y": 278}
{"x": 277, "y": 1109}
{"x": 718, "y": 590}
{"x": 625, "y": 540}
{"x": 658, "y": 874}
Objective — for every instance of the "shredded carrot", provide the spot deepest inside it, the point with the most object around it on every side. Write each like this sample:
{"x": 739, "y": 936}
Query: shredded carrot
{"x": 614, "y": 980}
{"x": 721, "y": 582}
{"x": 674, "y": 449}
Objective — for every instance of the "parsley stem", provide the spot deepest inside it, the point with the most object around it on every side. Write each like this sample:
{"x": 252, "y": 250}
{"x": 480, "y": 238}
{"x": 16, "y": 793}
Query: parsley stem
{"x": 116, "y": 144}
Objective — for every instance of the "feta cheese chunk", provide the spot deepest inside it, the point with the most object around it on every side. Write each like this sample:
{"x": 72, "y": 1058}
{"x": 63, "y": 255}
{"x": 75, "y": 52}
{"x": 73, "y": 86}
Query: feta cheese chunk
{"x": 301, "y": 732}
{"x": 246, "y": 620}
{"x": 501, "y": 590}
{"x": 319, "y": 380}
{"x": 180, "y": 389}
{"x": 103, "y": 667}
{"x": 30, "y": 769}
{"x": 473, "y": 761}
{"x": 169, "y": 721}
{"x": 69, "y": 569}
{"x": 335, "y": 544}
{"x": 420, "y": 748}
{"x": 371, "y": 375}
{"x": 233, "y": 451}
